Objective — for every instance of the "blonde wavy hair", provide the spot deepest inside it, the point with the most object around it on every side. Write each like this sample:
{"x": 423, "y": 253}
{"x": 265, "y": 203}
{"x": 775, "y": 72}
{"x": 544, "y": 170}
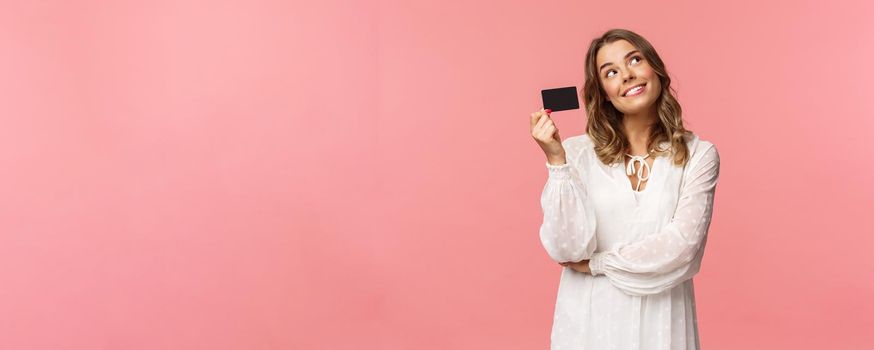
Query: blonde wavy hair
{"x": 604, "y": 124}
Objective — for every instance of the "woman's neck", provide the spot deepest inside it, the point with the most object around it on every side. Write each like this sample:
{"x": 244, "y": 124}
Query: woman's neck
{"x": 637, "y": 129}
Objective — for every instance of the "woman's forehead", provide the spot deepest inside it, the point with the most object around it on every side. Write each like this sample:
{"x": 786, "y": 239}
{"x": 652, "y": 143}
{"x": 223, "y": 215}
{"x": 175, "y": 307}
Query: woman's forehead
{"x": 613, "y": 52}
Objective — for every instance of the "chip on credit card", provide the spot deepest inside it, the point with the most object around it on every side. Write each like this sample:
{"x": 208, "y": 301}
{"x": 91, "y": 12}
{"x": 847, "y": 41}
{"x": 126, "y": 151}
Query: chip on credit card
{"x": 560, "y": 99}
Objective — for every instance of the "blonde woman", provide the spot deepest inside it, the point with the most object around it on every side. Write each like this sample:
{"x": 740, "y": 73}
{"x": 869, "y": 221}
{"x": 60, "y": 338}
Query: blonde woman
{"x": 626, "y": 206}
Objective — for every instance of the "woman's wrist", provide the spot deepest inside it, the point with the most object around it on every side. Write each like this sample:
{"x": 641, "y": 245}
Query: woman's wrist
{"x": 557, "y": 159}
{"x": 596, "y": 264}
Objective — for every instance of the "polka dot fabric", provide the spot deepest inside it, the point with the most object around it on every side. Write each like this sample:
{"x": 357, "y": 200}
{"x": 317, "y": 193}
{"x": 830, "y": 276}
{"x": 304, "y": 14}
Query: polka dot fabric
{"x": 644, "y": 248}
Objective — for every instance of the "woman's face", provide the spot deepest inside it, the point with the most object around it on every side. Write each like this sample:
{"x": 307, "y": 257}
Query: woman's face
{"x": 621, "y": 67}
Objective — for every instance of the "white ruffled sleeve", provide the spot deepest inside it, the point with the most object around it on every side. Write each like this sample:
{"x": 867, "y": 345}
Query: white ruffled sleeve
{"x": 663, "y": 260}
{"x": 568, "y": 229}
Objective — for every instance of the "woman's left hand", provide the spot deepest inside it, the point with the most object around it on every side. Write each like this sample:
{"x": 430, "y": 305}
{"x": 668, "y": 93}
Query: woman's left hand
{"x": 582, "y": 266}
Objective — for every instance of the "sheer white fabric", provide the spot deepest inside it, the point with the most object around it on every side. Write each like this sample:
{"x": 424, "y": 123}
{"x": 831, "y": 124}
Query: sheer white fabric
{"x": 644, "y": 247}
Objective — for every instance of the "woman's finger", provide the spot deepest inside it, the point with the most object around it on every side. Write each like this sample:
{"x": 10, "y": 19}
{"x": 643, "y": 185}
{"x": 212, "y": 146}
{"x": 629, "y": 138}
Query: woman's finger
{"x": 540, "y": 123}
{"x": 534, "y": 118}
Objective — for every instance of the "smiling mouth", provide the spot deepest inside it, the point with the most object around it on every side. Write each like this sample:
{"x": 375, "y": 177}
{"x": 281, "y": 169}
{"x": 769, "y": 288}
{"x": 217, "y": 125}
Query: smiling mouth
{"x": 637, "y": 90}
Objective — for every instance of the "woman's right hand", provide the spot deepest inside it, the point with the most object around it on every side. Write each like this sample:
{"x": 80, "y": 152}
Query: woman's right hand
{"x": 581, "y": 266}
{"x": 545, "y": 133}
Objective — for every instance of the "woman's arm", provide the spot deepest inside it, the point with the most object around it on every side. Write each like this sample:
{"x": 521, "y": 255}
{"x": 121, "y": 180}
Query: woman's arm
{"x": 582, "y": 266}
{"x": 663, "y": 260}
{"x": 568, "y": 229}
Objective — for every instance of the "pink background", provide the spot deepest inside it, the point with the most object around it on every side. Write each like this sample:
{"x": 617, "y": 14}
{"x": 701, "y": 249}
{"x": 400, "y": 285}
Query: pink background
{"x": 360, "y": 175}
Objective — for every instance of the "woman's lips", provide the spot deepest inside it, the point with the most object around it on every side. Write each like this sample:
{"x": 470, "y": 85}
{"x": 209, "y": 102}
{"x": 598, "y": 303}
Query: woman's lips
{"x": 637, "y": 92}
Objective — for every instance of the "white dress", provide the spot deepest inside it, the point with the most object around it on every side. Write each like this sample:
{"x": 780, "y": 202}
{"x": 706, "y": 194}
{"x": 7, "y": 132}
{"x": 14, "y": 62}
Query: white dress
{"x": 644, "y": 248}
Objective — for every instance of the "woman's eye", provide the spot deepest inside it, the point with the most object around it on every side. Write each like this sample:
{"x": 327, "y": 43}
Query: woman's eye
{"x": 610, "y": 71}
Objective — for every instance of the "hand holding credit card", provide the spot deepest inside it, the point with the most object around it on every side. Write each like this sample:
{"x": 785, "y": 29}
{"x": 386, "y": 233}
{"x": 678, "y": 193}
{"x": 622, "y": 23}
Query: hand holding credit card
{"x": 545, "y": 133}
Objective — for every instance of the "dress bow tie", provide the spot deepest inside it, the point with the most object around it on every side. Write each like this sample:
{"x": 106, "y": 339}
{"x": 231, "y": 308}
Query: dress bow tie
{"x": 630, "y": 169}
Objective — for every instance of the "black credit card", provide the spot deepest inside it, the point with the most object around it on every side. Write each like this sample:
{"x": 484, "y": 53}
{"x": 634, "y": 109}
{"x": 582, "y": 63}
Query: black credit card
{"x": 560, "y": 99}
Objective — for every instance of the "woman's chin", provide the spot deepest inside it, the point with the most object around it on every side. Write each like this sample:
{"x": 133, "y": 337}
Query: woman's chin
{"x": 637, "y": 108}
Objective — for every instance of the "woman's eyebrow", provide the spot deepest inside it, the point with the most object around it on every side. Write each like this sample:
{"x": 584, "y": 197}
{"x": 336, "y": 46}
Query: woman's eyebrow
{"x": 609, "y": 63}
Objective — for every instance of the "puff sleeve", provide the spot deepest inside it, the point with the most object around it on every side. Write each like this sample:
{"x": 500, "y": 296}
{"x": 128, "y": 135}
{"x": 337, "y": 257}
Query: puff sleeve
{"x": 665, "y": 259}
{"x": 568, "y": 229}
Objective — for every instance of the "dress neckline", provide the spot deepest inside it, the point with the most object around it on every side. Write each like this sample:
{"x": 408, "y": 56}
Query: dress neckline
{"x": 644, "y": 168}
{"x": 637, "y": 197}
